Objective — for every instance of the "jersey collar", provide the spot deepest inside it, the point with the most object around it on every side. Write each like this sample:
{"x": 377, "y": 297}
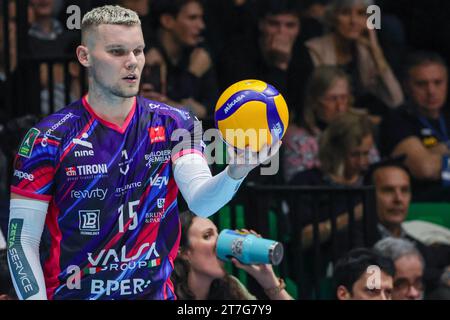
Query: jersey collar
{"x": 113, "y": 126}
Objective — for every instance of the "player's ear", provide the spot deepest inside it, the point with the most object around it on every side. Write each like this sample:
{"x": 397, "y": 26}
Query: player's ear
{"x": 342, "y": 293}
{"x": 83, "y": 55}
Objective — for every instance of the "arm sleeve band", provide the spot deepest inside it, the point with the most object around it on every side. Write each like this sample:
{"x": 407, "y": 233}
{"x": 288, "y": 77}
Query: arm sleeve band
{"x": 203, "y": 193}
{"x": 26, "y": 223}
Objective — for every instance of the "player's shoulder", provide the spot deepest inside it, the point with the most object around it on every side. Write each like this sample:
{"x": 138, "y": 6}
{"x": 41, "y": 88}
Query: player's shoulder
{"x": 60, "y": 120}
{"x": 164, "y": 110}
{"x": 52, "y": 129}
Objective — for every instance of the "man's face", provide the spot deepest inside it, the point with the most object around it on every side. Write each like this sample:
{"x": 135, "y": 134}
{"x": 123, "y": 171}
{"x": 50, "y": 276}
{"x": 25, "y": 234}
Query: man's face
{"x": 285, "y": 26}
{"x": 408, "y": 283}
{"x": 393, "y": 195}
{"x": 427, "y": 86}
{"x": 362, "y": 291}
{"x": 117, "y": 58}
{"x": 188, "y": 25}
{"x": 42, "y": 8}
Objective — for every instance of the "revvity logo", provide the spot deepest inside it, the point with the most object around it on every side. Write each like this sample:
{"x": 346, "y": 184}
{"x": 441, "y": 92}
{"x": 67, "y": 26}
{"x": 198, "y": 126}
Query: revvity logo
{"x": 89, "y": 194}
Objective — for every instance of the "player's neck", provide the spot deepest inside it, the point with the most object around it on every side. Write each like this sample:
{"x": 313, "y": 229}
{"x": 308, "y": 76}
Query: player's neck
{"x": 112, "y": 109}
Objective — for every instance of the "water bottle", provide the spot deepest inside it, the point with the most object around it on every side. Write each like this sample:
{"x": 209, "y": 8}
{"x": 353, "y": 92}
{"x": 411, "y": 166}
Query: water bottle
{"x": 248, "y": 248}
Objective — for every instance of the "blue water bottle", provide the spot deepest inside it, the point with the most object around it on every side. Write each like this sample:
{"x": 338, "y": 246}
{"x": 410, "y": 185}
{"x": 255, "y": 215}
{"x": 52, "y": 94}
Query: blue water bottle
{"x": 248, "y": 248}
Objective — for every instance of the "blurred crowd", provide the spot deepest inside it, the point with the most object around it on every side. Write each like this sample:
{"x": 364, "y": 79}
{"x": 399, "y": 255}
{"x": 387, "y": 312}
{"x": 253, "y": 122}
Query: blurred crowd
{"x": 367, "y": 107}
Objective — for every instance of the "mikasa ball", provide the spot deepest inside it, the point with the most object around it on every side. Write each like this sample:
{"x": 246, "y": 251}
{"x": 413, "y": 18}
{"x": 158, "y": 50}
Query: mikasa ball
{"x": 251, "y": 113}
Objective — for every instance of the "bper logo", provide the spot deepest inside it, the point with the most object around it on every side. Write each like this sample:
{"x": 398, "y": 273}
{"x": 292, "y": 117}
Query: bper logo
{"x": 89, "y": 222}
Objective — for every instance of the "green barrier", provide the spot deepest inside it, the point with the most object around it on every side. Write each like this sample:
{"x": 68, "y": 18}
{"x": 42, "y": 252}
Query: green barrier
{"x": 438, "y": 213}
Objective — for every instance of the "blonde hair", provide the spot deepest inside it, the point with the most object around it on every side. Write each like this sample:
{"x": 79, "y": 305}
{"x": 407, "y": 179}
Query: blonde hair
{"x": 337, "y": 5}
{"x": 109, "y": 15}
{"x": 345, "y": 133}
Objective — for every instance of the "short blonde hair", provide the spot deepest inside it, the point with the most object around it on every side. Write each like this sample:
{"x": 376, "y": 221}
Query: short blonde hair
{"x": 109, "y": 15}
{"x": 337, "y": 5}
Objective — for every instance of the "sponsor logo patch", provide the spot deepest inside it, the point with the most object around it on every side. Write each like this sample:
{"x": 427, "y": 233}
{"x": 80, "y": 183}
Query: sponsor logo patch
{"x": 26, "y": 148}
{"x": 157, "y": 134}
{"x": 89, "y": 222}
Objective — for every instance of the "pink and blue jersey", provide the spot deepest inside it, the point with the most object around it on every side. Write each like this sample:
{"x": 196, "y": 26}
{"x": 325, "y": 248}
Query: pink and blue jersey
{"x": 113, "y": 216}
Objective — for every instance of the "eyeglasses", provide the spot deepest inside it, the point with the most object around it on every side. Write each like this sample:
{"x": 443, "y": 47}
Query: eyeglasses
{"x": 405, "y": 285}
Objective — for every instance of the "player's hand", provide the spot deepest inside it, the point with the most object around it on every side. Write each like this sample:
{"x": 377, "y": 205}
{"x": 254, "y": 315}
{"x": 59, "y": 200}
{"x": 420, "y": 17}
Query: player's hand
{"x": 199, "y": 62}
{"x": 244, "y": 161}
{"x": 369, "y": 39}
{"x": 279, "y": 47}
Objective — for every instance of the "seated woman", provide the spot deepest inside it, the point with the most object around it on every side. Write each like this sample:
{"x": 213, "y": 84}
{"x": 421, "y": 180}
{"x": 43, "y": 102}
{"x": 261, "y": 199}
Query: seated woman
{"x": 328, "y": 95}
{"x": 343, "y": 152}
{"x": 198, "y": 273}
{"x": 344, "y": 155}
{"x": 355, "y": 48}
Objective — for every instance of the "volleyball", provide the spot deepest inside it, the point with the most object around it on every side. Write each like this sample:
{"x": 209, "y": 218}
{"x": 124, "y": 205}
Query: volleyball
{"x": 251, "y": 113}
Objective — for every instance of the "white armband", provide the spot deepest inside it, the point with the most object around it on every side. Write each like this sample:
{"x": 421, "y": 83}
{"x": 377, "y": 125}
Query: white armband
{"x": 204, "y": 194}
{"x": 26, "y": 223}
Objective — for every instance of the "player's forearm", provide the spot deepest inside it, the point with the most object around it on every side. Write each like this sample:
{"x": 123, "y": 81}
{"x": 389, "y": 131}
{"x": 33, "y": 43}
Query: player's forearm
{"x": 203, "y": 193}
{"x": 26, "y": 223}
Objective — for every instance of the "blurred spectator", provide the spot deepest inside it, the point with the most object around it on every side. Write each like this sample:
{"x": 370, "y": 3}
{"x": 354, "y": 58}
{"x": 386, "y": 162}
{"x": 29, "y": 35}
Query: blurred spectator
{"x": 354, "y": 276}
{"x": 142, "y": 8}
{"x": 6, "y": 89}
{"x": 48, "y": 39}
{"x": 199, "y": 274}
{"x": 313, "y": 16}
{"x": 267, "y": 55}
{"x": 228, "y": 19}
{"x": 420, "y": 130}
{"x": 328, "y": 95}
{"x": 7, "y": 291}
{"x": 355, "y": 48}
{"x": 409, "y": 268}
{"x": 344, "y": 149}
{"x": 393, "y": 196}
{"x": 179, "y": 71}
{"x": 343, "y": 152}
{"x": 12, "y": 40}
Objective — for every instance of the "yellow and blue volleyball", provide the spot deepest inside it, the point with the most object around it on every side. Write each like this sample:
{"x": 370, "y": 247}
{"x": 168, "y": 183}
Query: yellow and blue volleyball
{"x": 251, "y": 113}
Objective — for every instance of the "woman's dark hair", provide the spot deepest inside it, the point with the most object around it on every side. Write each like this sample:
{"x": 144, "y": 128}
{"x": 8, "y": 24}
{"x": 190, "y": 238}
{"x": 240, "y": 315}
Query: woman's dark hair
{"x": 221, "y": 289}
